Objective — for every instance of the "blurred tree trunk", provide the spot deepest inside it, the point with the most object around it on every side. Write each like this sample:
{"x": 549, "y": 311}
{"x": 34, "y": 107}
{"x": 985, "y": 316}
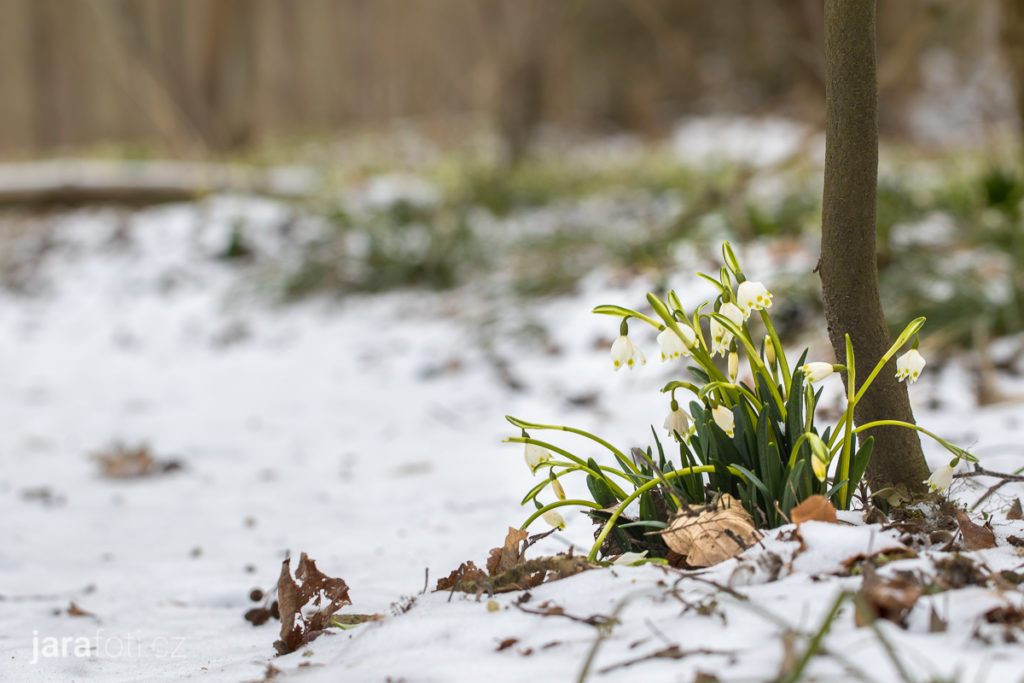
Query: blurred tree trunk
{"x": 848, "y": 266}
{"x": 1013, "y": 50}
{"x": 227, "y": 74}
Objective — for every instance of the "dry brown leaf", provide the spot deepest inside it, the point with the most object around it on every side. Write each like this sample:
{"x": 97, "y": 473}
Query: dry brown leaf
{"x": 1015, "y": 510}
{"x": 306, "y": 603}
{"x": 816, "y": 508}
{"x": 718, "y": 533}
{"x": 509, "y": 555}
{"x": 976, "y": 536}
{"x": 890, "y": 599}
{"x": 467, "y": 571}
{"x": 127, "y": 462}
{"x": 75, "y": 611}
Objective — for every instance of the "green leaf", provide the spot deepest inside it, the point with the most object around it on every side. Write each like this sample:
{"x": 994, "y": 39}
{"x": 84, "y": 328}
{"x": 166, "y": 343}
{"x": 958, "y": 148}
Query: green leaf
{"x": 790, "y": 487}
{"x": 859, "y": 461}
{"x": 648, "y": 511}
{"x": 756, "y": 481}
{"x": 647, "y": 524}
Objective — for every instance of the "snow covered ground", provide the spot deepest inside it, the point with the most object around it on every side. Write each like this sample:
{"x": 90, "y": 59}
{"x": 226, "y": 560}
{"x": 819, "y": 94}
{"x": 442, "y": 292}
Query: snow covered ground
{"x": 366, "y": 432}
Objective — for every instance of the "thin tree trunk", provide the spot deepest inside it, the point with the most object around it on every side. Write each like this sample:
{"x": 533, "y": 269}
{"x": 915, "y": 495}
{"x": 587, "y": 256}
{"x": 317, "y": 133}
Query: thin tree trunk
{"x": 1012, "y": 35}
{"x": 848, "y": 266}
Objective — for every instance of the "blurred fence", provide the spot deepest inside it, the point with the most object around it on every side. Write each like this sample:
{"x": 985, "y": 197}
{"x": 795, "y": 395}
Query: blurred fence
{"x": 193, "y": 76}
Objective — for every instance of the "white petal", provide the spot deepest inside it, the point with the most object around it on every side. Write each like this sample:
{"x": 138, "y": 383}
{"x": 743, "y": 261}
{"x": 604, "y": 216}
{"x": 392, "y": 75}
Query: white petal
{"x": 535, "y": 455}
{"x": 817, "y": 371}
{"x": 724, "y": 419}
{"x": 909, "y": 366}
{"x": 941, "y": 478}
{"x": 753, "y": 296}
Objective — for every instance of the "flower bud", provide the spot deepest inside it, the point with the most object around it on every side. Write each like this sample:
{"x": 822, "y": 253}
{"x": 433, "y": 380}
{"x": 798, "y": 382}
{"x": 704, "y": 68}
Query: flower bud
{"x": 553, "y": 518}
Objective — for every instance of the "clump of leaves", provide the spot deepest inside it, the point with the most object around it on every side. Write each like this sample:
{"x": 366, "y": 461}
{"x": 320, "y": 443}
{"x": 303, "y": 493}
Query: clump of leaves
{"x": 756, "y": 439}
{"x": 508, "y": 569}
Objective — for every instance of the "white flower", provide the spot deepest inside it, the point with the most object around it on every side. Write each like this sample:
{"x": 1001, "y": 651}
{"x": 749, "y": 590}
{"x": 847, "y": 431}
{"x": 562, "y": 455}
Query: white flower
{"x": 940, "y": 479}
{"x": 817, "y": 371}
{"x": 554, "y": 519}
{"x": 752, "y": 296}
{"x": 677, "y": 422}
{"x": 720, "y": 337}
{"x": 734, "y": 365}
{"x": 535, "y": 455}
{"x": 672, "y": 346}
{"x": 556, "y": 486}
{"x": 625, "y": 353}
{"x": 909, "y": 366}
{"x": 724, "y": 419}
{"x": 630, "y": 558}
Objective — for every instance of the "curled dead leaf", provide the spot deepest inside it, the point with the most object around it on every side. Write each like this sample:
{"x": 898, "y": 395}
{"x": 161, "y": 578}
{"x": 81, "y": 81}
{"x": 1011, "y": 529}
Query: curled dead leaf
{"x": 816, "y": 508}
{"x": 306, "y": 603}
{"x": 1015, "y": 512}
{"x": 509, "y": 555}
{"x": 719, "y": 532}
{"x": 976, "y": 536}
{"x": 885, "y": 598}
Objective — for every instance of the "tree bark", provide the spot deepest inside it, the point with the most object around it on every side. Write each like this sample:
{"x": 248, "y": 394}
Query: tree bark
{"x": 1012, "y": 40}
{"x": 848, "y": 267}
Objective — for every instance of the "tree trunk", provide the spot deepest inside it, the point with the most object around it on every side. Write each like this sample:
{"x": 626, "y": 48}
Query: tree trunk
{"x": 1012, "y": 35}
{"x": 848, "y": 266}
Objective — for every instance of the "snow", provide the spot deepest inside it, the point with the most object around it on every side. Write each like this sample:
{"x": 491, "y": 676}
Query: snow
{"x": 367, "y": 433}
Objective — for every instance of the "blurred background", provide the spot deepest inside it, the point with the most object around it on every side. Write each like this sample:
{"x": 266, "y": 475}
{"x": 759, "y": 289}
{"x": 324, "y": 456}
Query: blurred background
{"x": 199, "y": 77}
{"x": 433, "y": 143}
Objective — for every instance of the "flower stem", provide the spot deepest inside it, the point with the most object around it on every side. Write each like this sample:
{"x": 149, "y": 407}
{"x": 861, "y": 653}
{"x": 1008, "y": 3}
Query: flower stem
{"x": 558, "y": 504}
{"x": 700, "y": 469}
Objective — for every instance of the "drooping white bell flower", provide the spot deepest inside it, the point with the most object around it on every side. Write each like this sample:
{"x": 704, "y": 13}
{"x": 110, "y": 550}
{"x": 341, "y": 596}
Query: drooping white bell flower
{"x": 752, "y": 296}
{"x": 817, "y": 371}
{"x": 553, "y": 518}
{"x": 677, "y": 422}
{"x": 941, "y": 478}
{"x": 721, "y": 337}
{"x": 672, "y": 346}
{"x": 734, "y": 366}
{"x": 625, "y": 353}
{"x": 535, "y": 455}
{"x": 909, "y": 366}
{"x": 724, "y": 419}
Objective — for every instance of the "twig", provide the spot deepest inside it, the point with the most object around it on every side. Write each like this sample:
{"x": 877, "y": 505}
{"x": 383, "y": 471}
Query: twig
{"x": 670, "y": 652}
{"x": 980, "y": 471}
{"x": 599, "y": 621}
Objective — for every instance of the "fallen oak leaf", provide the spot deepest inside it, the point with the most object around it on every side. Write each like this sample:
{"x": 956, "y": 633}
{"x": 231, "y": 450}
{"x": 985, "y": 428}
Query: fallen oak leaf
{"x": 509, "y": 555}
{"x": 1015, "y": 511}
{"x": 976, "y": 536}
{"x": 816, "y": 508}
{"x": 721, "y": 531}
{"x": 306, "y": 603}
